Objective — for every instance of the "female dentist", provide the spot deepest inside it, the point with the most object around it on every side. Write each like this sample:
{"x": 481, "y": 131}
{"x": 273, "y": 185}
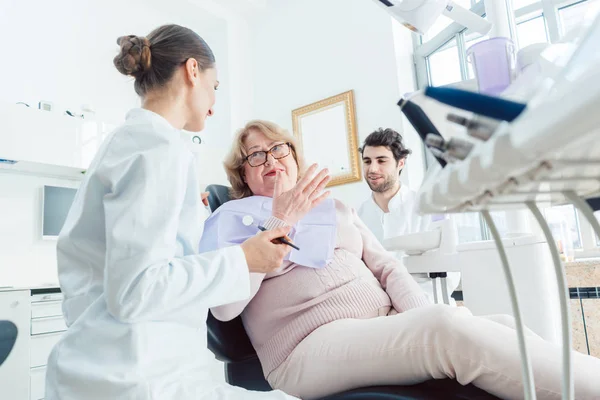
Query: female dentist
{"x": 136, "y": 291}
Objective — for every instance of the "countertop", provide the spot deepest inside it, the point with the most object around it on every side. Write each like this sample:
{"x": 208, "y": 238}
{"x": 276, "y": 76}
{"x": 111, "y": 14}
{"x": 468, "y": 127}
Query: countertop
{"x": 42, "y": 288}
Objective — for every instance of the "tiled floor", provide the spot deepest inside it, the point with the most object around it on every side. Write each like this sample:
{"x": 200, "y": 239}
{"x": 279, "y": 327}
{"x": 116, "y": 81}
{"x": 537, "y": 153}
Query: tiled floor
{"x": 592, "y": 320}
{"x": 579, "y": 343}
{"x": 583, "y": 274}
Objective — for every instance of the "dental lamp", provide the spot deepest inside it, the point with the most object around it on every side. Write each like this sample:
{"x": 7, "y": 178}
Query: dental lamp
{"x": 419, "y": 15}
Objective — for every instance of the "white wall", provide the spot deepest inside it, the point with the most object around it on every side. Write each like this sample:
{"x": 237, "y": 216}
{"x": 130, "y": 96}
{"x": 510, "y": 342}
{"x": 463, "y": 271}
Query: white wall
{"x": 25, "y": 258}
{"x": 61, "y": 51}
{"x": 289, "y": 54}
{"x": 308, "y": 50}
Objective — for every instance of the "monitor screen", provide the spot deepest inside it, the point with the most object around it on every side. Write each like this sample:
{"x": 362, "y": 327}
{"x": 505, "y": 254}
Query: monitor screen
{"x": 56, "y": 204}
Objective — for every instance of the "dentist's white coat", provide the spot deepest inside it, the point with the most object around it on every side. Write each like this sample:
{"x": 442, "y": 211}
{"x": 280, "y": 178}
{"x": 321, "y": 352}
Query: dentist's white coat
{"x": 136, "y": 291}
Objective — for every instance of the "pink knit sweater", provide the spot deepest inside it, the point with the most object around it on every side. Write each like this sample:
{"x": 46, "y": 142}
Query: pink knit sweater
{"x": 287, "y": 305}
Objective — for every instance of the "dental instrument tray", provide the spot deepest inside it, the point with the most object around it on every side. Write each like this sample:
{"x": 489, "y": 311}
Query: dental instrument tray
{"x": 551, "y": 150}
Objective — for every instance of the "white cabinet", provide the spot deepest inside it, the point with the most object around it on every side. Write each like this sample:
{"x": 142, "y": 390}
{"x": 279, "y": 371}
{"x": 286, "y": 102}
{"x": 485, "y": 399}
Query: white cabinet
{"x": 37, "y": 314}
{"x": 46, "y": 308}
{"x": 15, "y": 306}
{"x": 47, "y": 325}
{"x": 41, "y": 346}
{"x": 38, "y": 380}
{"x": 28, "y": 134}
{"x": 49, "y": 143}
{"x": 39, "y": 326}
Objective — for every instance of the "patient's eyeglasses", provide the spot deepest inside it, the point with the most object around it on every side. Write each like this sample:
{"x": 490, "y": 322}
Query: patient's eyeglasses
{"x": 278, "y": 151}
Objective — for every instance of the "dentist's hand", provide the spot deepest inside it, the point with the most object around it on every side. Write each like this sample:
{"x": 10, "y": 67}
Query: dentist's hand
{"x": 293, "y": 205}
{"x": 263, "y": 253}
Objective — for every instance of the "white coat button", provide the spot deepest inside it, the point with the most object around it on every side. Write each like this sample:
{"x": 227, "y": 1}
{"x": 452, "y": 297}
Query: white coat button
{"x": 247, "y": 220}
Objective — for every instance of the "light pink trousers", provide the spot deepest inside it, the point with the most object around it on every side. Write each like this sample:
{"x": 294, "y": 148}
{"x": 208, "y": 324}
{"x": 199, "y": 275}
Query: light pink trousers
{"x": 437, "y": 342}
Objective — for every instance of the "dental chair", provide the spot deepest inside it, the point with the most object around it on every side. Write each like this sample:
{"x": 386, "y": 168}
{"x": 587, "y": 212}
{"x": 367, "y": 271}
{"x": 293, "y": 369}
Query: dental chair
{"x": 231, "y": 345}
{"x": 8, "y": 337}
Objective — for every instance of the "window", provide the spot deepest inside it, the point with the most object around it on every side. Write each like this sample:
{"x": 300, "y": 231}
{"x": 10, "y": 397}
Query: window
{"x": 501, "y": 221}
{"x": 532, "y": 31}
{"x": 558, "y": 17}
{"x": 538, "y": 24}
{"x": 571, "y": 15}
{"x": 441, "y": 51}
{"x": 469, "y": 227}
{"x": 444, "y": 65}
{"x": 522, "y": 3}
{"x": 440, "y": 58}
{"x": 564, "y": 215}
{"x": 572, "y": 219}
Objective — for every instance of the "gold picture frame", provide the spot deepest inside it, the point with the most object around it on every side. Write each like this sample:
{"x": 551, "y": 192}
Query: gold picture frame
{"x": 322, "y": 128}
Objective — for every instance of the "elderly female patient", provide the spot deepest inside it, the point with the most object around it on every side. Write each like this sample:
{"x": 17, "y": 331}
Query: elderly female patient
{"x": 342, "y": 313}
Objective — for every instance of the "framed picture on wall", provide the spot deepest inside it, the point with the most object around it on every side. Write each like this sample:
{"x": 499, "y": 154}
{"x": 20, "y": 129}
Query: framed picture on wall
{"x": 326, "y": 130}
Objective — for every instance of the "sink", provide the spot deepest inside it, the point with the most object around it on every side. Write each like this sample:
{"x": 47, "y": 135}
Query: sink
{"x": 414, "y": 243}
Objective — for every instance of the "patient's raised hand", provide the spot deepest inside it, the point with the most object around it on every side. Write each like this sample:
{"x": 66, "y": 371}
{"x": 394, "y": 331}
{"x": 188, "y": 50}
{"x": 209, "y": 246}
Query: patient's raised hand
{"x": 291, "y": 206}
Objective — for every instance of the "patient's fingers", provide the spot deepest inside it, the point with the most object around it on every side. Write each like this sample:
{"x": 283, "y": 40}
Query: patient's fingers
{"x": 316, "y": 181}
{"x": 320, "y": 187}
{"x": 320, "y": 199}
{"x": 304, "y": 181}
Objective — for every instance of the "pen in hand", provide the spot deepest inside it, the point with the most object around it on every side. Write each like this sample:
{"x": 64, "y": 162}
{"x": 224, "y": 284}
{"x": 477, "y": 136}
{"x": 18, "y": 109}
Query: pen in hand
{"x": 283, "y": 240}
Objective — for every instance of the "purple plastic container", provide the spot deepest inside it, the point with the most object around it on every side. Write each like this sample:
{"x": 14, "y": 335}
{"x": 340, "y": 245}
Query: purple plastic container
{"x": 493, "y": 63}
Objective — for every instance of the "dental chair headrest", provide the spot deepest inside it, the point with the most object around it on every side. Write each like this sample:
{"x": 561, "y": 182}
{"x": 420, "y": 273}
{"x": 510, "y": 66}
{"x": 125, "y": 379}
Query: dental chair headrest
{"x": 219, "y": 195}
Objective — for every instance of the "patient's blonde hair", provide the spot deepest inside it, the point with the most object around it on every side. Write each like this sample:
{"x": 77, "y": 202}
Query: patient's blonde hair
{"x": 234, "y": 162}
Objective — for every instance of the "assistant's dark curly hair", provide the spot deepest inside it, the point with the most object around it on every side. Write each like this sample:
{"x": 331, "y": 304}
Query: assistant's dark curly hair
{"x": 388, "y": 138}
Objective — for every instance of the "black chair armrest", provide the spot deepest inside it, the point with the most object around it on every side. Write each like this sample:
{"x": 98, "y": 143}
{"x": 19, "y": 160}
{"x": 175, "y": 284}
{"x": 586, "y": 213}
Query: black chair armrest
{"x": 228, "y": 340}
{"x": 8, "y": 337}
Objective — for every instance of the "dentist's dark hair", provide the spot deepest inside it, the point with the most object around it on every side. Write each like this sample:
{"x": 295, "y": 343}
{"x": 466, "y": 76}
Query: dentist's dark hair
{"x": 153, "y": 60}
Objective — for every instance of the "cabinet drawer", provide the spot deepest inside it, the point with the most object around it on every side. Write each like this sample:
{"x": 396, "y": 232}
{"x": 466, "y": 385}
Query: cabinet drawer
{"x": 35, "y": 298}
{"x": 46, "y": 309}
{"x": 47, "y": 325}
{"x": 37, "y": 383}
{"x": 41, "y": 346}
